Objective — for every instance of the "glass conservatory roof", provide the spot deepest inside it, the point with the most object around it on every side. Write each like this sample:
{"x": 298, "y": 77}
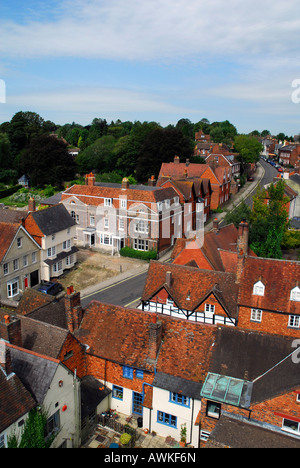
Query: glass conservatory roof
{"x": 227, "y": 389}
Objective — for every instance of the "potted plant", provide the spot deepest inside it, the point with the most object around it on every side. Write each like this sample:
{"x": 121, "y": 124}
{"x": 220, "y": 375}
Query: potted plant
{"x": 183, "y": 435}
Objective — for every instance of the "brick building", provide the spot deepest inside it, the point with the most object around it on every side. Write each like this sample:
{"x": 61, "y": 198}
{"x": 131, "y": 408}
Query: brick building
{"x": 112, "y": 216}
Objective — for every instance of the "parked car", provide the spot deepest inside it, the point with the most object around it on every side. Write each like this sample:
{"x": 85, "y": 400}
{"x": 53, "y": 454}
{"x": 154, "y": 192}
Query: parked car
{"x": 50, "y": 287}
{"x": 279, "y": 169}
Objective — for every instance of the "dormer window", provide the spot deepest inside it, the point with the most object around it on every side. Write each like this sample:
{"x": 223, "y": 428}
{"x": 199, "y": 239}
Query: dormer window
{"x": 295, "y": 294}
{"x": 259, "y": 289}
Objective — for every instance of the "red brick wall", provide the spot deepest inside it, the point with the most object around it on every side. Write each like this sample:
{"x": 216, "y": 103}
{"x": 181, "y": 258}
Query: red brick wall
{"x": 108, "y": 371}
{"x": 273, "y": 411}
{"x": 77, "y": 360}
{"x": 271, "y": 322}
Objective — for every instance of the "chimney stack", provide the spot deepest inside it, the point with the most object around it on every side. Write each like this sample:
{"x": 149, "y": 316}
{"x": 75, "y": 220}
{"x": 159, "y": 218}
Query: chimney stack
{"x": 151, "y": 182}
{"x": 125, "y": 183}
{"x": 240, "y": 265}
{"x": 90, "y": 179}
{"x": 216, "y": 225}
{"x": 155, "y": 334}
{"x": 31, "y": 204}
{"x": 10, "y": 330}
{"x": 176, "y": 160}
{"x": 243, "y": 237}
{"x": 169, "y": 279}
{"x": 73, "y": 309}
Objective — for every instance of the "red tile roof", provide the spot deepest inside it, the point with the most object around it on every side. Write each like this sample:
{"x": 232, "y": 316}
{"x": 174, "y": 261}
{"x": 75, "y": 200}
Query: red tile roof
{"x": 122, "y": 335}
{"x": 190, "y": 286}
{"x": 8, "y": 232}
{"x": 279, "y": 278}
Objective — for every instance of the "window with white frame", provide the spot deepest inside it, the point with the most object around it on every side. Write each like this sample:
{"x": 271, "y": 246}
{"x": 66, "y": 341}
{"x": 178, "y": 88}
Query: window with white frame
{"x": 123, "y": 203}
{"x": 213, "y": 409}
{"x": 92, "y": 220}
{"x": 19, "y": 242}
{"x": 141, "y": 244}
{"x": 294, "y": 321}
{"x": 106, "y": 223}
{"x": 70, "y": 260}
{"x": 256, "y": 315}
{"x": 57, "y": 267}
{"x": 108, "y": 201}
{"x": 105, "y": 239}
{"x": 67, "y": 244}
{"x": 33, "y": 257}
{"x": 2, "y": 441}
{"x": 51, "y": 251}
{"x": 5, "y": 269}
{"x": 25, "y": 260}
{"x": 140, "y": 226}
{"x": 209, "y": 308}
{"x": 295, "y": 294}
{"x": 291, "y": 425}
{"x": 16, "y": 264}
{"x": 121, "y": 223}
{"x": 13, "y": 287}
{"x": 259, "y": 289}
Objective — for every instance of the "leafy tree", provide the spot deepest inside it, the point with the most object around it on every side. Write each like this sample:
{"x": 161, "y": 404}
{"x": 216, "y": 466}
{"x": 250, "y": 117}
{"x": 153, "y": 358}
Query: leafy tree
{"x": 239, "y": 213}
{"x": 99, "y": 156}
{"x": 269, "y": 221}
{"x": 47, "y": 162}
{"x": 248, "y": 148}
{"x": 33, "y": 435}
{"x": 161, "y": 145}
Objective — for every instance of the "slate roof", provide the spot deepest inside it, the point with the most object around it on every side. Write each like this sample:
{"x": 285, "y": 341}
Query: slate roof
{"x": 92, "y": 394}
{"x": 12, "y": 216}
{"x": 191, "y": 286}
{"x": 251, "y": 355}
{"x": 42, "y": 338}
{"x": 178, "y": 385}
{"x": 234, "y": 432}
{"x": 53, "y": 219}
{"x": 15, "y": 400}
{"x": 36, "y": 372}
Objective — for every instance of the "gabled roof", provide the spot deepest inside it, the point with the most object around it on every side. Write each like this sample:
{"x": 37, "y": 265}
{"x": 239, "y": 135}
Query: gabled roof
{"x": 35, "y": 371}
{"x": 257, "y": 357}
{"x": 121, "y": 335}
{"x": 15, "y": 400}
{"x": 279, "y": 278}
{"x": 8, "y": 232}
{"x": 190, "y": 286}
{"x": 219, "y": 250}
{"x": 140, "y": 193}
{"x": 51, "y": 220}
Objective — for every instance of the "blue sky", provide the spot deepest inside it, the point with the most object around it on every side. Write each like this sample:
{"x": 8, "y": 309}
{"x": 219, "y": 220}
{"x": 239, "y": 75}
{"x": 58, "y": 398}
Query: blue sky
{"x": 161, "y": 60}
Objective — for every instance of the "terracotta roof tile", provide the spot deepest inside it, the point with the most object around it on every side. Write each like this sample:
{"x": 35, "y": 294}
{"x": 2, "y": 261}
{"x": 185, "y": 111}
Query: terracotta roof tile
{"x": 7, "y": 234}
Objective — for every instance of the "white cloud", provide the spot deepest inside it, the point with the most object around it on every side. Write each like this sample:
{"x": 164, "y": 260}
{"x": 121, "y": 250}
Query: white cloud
{"x": 160, "y": 29}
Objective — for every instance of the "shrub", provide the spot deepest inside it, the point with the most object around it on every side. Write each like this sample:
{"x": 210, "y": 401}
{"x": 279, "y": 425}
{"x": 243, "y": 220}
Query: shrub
{"x": 142, "y": 255}
{"x": 125, "y": 438}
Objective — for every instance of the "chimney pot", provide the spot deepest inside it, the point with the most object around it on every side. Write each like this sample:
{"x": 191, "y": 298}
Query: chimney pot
{"x": 7, "y": 319}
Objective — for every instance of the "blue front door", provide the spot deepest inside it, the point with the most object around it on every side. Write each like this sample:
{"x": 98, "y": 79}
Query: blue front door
{"x": 137, "y": 403}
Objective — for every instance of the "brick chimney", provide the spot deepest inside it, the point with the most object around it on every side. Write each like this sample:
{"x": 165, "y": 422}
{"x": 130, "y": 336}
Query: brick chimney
{"x": 73, "y": 309}
{"x": 125, "y": 184}
{"x": 216, "y": 225}
{"x": 169, "y": 278}
{"x": 90, "y": 179}
{"x": 240, "y": 265}
{"x": 155, "y": 333}
{"x": 31, "y": 204}
{"x": 151, "y": 182}
{"x": 10, "y": 330}
{"x": 176, "y": 160}
{"x": 243, "y": 237}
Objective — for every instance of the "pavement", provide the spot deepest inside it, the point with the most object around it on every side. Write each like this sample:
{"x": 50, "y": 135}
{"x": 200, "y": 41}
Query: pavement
{"x": 234, "y": 201}
{"x": 103, "y": 437}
